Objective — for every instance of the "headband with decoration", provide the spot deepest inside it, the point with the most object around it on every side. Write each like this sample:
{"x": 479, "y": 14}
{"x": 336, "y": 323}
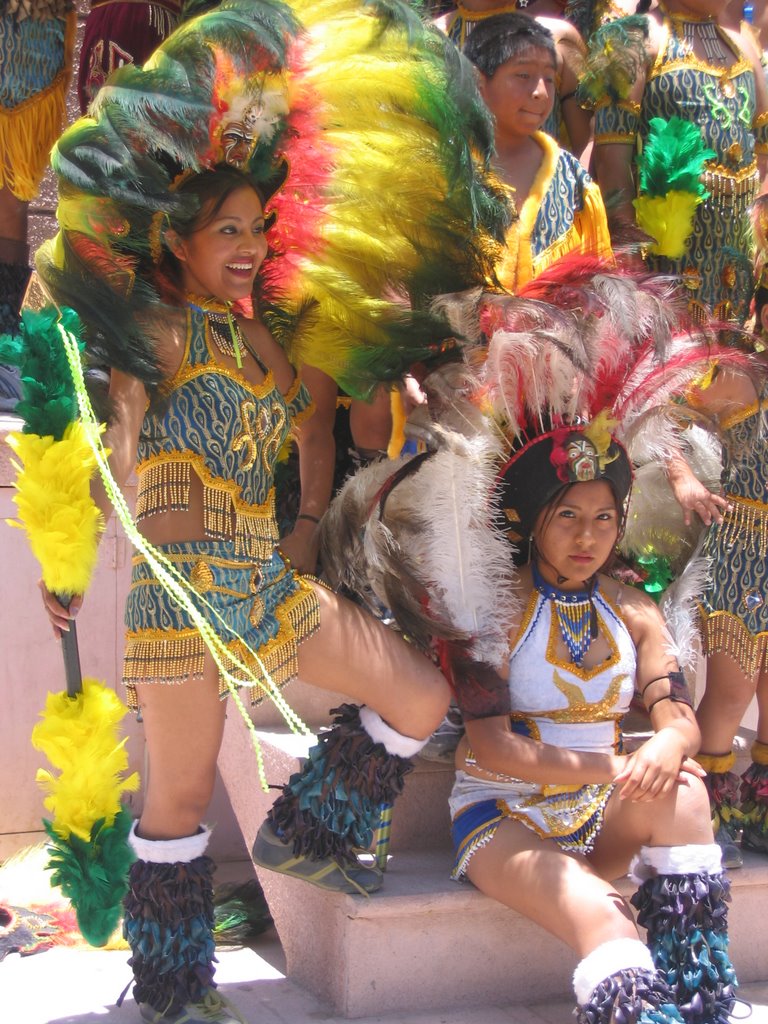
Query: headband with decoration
{"x": 539, "y": 471}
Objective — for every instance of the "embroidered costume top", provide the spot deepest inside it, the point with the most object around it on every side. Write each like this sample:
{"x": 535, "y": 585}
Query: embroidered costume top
{"x": 227, "y": 431}
{"x": 557, "y": 702}
{"x": 562, "y": 213}
{"x": 717, "y": 266}
{"x": 734, "y": 607}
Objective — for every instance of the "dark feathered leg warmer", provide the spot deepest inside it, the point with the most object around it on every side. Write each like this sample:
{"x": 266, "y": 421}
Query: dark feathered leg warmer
{"x": 683, "y": 904}
{"x": 169, "y": 926}
{"x": 617, "y": 984}
{"x": 754, "y": 800}
{"x": 330, "y": 808}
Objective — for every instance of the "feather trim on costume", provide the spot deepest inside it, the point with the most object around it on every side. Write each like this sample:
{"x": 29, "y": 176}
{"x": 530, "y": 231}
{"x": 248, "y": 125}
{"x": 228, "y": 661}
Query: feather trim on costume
{"x": 679, "y": 606}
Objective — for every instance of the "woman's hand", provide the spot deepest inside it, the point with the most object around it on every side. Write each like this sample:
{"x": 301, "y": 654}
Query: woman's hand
{"x": 59, "y": 615}
{"x": 692, "y": 496}
{"x": 302, "y": 546}
{"x": 656, "y": 767}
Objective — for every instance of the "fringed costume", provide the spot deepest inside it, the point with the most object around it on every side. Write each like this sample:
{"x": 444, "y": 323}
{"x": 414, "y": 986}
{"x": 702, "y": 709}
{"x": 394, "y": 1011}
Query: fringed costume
{"x": 562, "y": 213}
{"x": 714, "y": 265}
{"x": 569, "y": 706}
{"x": 342, "y": 104}
{"x": 734, "y": 614}
{"x": 734, "y": 609}
{"x": 254, "y": 598}
{"x": 36, "y": 54}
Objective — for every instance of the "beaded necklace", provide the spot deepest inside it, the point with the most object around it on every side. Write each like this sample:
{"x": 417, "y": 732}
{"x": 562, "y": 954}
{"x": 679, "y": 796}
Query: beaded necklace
{"x": 223, "y": 327}
{"x": 575, "y": 613}
{"x": 704, "y": 28}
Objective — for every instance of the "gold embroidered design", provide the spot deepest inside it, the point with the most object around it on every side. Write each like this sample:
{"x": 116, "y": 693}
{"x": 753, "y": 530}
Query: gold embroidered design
{"x": 201, "y": 577}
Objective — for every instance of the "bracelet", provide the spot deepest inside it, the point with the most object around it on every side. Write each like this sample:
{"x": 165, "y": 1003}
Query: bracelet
{"x": 658, "y": 679}
{"x": 306, "y": 515}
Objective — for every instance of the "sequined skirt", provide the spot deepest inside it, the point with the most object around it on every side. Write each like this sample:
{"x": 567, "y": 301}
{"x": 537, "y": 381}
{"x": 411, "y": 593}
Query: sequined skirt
{"x": 572, "y": 817}
{"x": 261, "y": 611}
{"x": 734, "y": 607}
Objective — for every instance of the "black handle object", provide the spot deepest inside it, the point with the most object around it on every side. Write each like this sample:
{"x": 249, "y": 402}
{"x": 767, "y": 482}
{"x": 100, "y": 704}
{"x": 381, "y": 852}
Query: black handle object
{"x": 71, "y": 654}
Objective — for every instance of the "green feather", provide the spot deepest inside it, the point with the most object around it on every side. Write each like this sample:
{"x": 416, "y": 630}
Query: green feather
{"x": 48, "y": 403}
{"x": 93, "y": 875}
{"x": 617, "y": 52}
{"x": 673, "y": 158}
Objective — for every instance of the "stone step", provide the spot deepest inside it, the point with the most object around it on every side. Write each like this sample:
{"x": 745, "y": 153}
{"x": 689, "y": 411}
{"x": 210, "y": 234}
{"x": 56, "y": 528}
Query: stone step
{"x": 426, "y": 943}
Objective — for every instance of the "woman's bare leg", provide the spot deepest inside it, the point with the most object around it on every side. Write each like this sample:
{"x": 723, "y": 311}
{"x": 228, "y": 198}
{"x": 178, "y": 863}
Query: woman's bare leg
{"x": 726, "y": 699}
{"x": 355, "y": 654}
{"x": 561, "y": 892}
{"x": 679, "y": 819}
{"x": 183, "y": 727}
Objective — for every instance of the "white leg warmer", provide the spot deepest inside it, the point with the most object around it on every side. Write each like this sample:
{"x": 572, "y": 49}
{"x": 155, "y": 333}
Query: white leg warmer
{"x": 607, "y": 959}
{"x": 169, "y": 851}
{"x": 676, "y": 860}
{"x": 393, "y": 741}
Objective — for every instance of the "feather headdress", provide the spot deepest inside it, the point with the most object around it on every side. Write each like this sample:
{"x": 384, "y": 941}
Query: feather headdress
{"x": 589, "y": 361}
{"x": 387, "y": 200}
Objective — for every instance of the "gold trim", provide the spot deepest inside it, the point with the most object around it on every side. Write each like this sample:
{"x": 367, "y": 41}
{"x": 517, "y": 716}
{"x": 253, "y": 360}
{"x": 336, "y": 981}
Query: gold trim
{"x": 725, "y": 633}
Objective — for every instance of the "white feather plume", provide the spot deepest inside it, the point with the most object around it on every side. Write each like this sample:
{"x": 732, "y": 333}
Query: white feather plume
{"x": 680, "y": 611}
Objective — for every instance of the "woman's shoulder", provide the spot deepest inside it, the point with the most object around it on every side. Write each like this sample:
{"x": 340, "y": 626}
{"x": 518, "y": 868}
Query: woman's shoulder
{"x": 637, "y": 610}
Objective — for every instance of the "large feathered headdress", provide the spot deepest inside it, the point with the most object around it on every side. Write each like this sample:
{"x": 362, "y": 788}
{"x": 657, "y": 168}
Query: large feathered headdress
{"x": 373, "y": 120}
{"x": 576, "y": 378}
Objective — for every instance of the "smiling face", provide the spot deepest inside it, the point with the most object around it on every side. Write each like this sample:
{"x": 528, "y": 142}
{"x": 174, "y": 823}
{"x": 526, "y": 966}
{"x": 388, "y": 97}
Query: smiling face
{"x": 576, "y": 536}
{"x": 521, "y": 92}
{"x": 221, "y": 258}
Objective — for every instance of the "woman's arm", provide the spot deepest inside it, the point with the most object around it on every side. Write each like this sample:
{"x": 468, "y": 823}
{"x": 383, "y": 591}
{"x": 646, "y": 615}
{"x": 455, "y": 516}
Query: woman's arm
{"x": 129, "y": 401}
{"x": 496, "y": 750}
{"x": 578, "y": 122}
{"x": 317, "y": 458}
{"x": 654, "y": 768}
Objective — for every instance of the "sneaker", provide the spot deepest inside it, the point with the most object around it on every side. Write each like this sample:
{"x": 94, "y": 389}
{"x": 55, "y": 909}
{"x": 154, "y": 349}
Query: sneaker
{"x": 355, "y": 880}
{"x": 442, "y": 744}
{"x": 212, "y": 1009}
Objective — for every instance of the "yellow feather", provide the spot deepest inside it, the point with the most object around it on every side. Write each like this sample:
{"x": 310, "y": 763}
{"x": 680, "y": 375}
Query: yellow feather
{"x": 668, "y": 219}
{"x": 80, "y": 738}
{"x": 55, "y": 507}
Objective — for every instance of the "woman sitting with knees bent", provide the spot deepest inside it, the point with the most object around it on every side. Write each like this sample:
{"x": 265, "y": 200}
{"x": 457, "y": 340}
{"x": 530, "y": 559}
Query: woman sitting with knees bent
{"x": 547, "y": 808}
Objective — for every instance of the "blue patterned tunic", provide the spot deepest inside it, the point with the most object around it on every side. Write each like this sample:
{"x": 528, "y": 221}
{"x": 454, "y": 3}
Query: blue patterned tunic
{"x": 228, "y": 432}
{"x": 734, "y": 608}
{"x": 717, "y": 267}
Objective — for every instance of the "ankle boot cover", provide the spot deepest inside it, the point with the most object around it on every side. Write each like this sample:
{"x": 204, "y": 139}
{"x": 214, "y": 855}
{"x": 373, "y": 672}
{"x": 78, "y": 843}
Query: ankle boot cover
{"x": 169, "y": 921}
{"x": 683, "y": 904}
{"x": 617, "y": 983}
{"x": 332, "y": 805}
{"x": 723, "y": 788}
{"x": 754, "y": 800}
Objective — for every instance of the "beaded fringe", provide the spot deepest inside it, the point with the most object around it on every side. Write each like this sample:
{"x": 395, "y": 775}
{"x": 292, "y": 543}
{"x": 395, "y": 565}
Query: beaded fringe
{"x": 164, "y": 484}
{"x": 724, "y": 633}
{"x": 160, "y": 656}
{"x": 745, "y": 517}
